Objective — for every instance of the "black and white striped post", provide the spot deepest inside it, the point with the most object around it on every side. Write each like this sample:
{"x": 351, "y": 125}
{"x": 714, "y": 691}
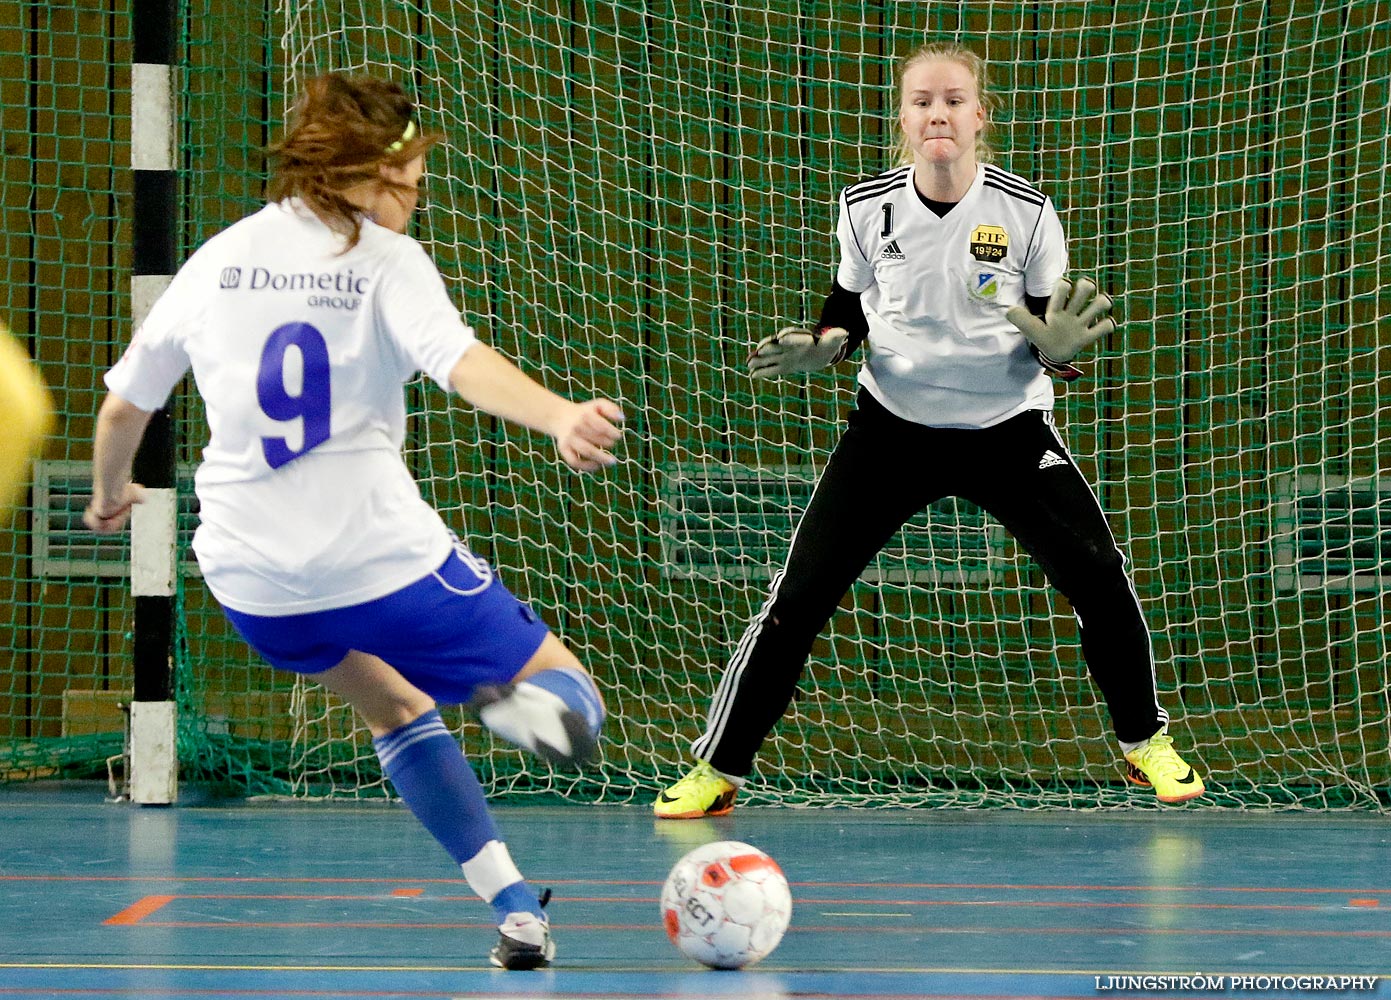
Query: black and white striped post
{"x": 153, "y": 765}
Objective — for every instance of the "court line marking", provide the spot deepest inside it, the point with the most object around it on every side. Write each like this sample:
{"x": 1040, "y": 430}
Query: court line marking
{"x": 452, "y": 994}
{"x": 771, "y": 969}
{"x": 1061, "y": 904}
{"x": 1254, "y": 932}
{"x": 138, "y": 911}
{"x": 47, "y": 993}
{"x": 1002, "y": 886}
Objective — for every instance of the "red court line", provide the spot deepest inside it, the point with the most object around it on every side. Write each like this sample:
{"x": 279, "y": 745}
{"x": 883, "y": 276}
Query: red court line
{"x": 169, "y": 991}
{"x": 1072, "y": 888}
{"x": 1046, "y": 905}
{"x": 145, "y": 991}
{"x": 802, "y": 929}
{"x": 138, "y": 910}
{"x": 805, "y": 902}
{"x": 1001, "y": 886}
{"x": 457, "y": 994}
{"x": 247, "y": 878}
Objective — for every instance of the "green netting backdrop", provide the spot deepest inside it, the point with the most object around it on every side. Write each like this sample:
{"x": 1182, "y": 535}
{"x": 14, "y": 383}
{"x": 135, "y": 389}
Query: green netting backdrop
{"x": 633, "y": 193}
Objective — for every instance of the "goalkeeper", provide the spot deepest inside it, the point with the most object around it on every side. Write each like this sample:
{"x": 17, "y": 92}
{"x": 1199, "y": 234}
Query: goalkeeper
{"x": 951, "y": 273}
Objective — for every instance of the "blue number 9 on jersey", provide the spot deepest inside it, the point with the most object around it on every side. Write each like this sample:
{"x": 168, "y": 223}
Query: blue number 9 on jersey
{"x": 313, "y": 403}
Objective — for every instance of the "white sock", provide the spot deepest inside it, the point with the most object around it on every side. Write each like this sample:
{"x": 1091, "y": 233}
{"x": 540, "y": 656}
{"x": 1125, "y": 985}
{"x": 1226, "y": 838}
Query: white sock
{"x": 491, "y": 870}
{"x": 733, "y": 779}
{"x": 1132, "y": 747}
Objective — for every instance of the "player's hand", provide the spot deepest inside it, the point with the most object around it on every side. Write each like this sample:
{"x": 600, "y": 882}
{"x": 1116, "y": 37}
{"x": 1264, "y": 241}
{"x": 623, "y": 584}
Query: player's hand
{"x": 106, "y": 516}
{"x": 794, "y": 349}
{"x": 1058, "y": 369}
{"x": 586, "y": 433}
{"x": 1074, "y": 320}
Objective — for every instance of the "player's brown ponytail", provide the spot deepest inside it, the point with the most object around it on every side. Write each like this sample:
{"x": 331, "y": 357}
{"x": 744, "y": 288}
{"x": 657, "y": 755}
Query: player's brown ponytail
{"x": 341, "y": 130}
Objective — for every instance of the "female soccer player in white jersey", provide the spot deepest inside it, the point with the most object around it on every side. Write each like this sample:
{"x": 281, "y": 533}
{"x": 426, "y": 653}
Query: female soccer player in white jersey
{"x": 944, "y": 262}
{"x": 301, "y": 323}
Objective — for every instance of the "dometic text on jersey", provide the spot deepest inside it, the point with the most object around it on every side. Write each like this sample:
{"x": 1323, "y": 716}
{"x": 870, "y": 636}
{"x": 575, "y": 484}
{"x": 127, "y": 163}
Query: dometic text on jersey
{"x": 350, "y": 286}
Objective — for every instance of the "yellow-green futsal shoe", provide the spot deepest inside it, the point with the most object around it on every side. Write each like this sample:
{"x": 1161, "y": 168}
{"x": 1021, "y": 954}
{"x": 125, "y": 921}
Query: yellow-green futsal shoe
{"x": 1155, "y": 764}
{"x": 702, "y": 792}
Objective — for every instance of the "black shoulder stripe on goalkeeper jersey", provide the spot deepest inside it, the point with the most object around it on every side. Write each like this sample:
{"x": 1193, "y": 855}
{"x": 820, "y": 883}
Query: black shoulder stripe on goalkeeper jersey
{"x": 1013, "y": 186}
{"x": 874, "y": 186}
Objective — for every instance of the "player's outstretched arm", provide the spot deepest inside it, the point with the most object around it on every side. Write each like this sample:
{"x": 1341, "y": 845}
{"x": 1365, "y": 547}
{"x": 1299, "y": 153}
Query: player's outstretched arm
{"x": 1074, "y": 320}
{"x": 584, "y": 432}
{"x": 120, "y": 426}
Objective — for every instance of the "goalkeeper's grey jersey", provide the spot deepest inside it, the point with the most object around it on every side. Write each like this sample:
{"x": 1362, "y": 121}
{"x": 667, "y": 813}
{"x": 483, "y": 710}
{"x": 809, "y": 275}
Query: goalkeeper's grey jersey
{"x": 935, "y": 292}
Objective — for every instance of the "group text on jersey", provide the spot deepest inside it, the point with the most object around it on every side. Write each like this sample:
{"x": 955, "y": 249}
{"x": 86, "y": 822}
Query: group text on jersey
{"x": 329, "y": 289}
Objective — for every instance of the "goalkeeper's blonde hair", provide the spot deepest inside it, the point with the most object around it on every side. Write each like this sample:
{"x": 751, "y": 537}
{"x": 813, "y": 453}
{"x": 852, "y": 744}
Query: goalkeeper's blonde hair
{"x": 976, "y": 66}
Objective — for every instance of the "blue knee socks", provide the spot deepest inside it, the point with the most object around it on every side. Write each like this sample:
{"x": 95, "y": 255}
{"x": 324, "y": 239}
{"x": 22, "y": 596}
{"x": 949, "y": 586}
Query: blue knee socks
{"x": 431, "y": 775}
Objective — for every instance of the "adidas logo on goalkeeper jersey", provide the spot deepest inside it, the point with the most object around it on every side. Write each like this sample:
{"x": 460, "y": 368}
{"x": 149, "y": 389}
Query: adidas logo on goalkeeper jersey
{"x": 891, "y": 251}
{"x": 1051, "y": 458}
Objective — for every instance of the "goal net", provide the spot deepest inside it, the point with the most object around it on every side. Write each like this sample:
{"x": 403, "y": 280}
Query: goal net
{"x": 631, "y": 194}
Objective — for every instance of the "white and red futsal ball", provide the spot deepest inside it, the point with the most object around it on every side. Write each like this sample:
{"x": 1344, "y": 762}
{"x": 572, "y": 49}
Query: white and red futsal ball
{"x": 726, "y": 905}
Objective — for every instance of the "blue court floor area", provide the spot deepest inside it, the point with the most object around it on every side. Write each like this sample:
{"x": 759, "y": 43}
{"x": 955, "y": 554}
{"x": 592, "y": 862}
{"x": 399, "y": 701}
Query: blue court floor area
{"x": 212, "y": 900}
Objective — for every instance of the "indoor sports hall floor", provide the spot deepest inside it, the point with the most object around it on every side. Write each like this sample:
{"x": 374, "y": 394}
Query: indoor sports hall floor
{"x": 311, "y": 901}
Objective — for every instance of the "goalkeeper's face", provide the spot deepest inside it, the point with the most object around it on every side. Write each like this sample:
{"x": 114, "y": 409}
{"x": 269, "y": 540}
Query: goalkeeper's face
{"x": 940, "y": 111}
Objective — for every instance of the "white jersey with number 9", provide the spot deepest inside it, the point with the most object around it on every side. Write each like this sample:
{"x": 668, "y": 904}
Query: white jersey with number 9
{"x": 300, "y": 352}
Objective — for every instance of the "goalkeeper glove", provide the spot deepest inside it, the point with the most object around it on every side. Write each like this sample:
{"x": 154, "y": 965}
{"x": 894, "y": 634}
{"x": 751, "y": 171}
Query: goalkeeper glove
{"x": 795, "y": 349}
{"x": 1063, "y": 370}
{"x": 1075, "y": 319}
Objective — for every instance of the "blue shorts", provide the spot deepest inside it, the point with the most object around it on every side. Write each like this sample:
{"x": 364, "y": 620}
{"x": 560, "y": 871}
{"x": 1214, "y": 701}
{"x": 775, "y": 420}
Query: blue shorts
{"x": 446, "y": 633}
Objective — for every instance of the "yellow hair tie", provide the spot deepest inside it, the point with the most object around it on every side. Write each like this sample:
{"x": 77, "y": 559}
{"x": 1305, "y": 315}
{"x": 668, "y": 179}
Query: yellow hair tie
{"x": 406, "y": 137}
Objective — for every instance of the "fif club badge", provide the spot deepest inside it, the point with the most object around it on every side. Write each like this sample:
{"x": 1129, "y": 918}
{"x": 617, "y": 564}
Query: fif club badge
{"x": 989, "y": 244}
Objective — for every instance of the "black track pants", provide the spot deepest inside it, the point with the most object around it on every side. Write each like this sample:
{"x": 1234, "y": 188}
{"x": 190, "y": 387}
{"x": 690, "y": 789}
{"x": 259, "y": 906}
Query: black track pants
{"x": 883, "y": 471}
